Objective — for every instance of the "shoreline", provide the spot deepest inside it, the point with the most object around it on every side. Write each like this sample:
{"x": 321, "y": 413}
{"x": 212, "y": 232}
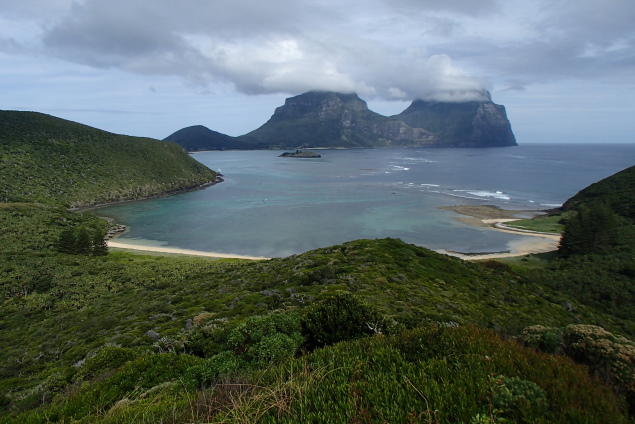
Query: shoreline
{"x": 219, "y": 179}
{"x": 178, "y": 251}
{"x": 488, "y": 216}
{"x": 495, "y": 217}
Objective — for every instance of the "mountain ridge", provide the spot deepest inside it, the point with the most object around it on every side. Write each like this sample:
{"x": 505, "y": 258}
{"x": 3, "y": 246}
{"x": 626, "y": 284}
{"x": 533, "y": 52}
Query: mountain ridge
{"x": 324, "y": 119}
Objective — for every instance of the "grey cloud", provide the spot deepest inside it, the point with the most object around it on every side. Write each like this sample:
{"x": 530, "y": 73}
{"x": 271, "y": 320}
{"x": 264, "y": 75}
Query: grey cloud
{"x": 464, "y": 7}
{"x": 254, "y": 46}
{"x": 33, "y": 9}
{"x": 289, "y": 46}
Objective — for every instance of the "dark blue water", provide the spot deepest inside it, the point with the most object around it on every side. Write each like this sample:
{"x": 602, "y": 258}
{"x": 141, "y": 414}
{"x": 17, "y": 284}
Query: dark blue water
{"x": 271, "y": 206}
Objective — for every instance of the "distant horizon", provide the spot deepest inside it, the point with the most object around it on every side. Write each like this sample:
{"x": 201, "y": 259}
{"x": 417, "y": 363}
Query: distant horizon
{"x": 141, "y": 134}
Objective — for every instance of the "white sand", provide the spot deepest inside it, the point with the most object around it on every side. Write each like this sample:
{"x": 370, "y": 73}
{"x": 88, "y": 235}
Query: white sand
{"x": 535, "y": 243}
{"x": 160, "y": 249}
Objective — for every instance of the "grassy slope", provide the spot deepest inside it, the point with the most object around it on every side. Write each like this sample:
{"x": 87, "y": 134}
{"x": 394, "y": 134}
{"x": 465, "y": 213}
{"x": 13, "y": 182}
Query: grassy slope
{"x": 59, "y": 309}
{"x": 48, "y": 159}
{"x": 616, "y": 191}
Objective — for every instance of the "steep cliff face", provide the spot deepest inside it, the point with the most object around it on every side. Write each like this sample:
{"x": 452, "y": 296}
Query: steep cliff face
{"x": 467, "y": 124}
{"x": 326, "y": 119}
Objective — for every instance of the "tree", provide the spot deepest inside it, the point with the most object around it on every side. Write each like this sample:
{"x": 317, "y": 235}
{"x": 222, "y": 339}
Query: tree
{"x": 82, "y": 241}
{"x": 590, "y": 230}
{"x": 66, "y": 241}
{"x": 99, "y": 245}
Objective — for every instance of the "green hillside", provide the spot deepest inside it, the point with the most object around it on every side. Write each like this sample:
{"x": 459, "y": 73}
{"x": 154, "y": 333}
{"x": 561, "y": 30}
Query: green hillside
{"x": 365, "y": 331}
{"x": 83, "y": 336}
{"x": 48, "y": 159}
{"x": 615, "y": 191}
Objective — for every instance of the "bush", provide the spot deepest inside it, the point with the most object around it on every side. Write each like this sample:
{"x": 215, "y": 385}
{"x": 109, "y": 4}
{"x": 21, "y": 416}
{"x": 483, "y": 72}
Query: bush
{"x": 257, "y": 342}
{"x": 546, "y": 339}
{"x": 108, "y": 358}
{"x": 609, "y": 356}
{"x": 521, "y": 400}
{"x": 337, "y": 318}
{"x": 262, "y": 340}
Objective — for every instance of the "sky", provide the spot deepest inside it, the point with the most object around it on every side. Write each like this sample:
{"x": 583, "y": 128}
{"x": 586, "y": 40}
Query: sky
{"x": 564, "y": 70}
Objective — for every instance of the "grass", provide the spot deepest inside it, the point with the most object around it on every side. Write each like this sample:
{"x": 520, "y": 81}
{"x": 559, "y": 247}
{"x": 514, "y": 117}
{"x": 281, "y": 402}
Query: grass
{"x": 543, "y": 224}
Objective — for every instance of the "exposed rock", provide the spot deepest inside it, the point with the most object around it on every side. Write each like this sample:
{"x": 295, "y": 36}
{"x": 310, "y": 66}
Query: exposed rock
{"x": 153, "y": 335}
{"x": 307, "y": 154}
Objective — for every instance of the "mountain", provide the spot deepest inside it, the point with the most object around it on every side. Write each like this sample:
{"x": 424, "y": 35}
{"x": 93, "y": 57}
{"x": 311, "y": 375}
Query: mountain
{"x": 326, "y": 119}
{"x": 466, "y": 124}
{"x": 198, "y": 138}
{"x": 330, "y": 120}
{"x": 52, "y": 160}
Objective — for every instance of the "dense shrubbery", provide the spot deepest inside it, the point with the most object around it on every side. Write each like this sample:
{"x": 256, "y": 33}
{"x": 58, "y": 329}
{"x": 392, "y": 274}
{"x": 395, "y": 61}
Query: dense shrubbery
{"x": 610, "y": 357}
{"x": 431, "y": 373}
{"x": 51, "y": 301}
{"x": 50, "y": 160}
{"x": 337, "y": 318}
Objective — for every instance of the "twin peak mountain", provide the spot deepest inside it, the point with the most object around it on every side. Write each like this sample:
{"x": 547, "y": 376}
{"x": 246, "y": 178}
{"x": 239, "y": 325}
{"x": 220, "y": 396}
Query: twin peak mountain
{"x": 319, "y": 119}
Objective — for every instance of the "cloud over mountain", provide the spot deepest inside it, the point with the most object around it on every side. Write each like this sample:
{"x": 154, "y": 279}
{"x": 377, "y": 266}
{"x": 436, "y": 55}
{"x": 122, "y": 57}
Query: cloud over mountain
{"x": 381, "y": 49}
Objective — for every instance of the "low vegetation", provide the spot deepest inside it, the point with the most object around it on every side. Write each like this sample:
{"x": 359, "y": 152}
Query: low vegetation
{"x": 543, "y": 224}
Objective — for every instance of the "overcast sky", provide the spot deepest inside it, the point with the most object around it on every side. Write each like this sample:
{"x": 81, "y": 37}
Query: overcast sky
{"x": 564, "y": 69}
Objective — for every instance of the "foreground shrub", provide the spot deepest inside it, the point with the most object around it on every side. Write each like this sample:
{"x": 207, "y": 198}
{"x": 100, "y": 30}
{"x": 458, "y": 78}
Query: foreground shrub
{"x": 547, "y": 339}
{"x": 609, "y": 356}
{"x": 432, "y": 374}
{"x": 337, "y": 318}
{"x": 258, "y": 342}
{"x": 138, "y": 379}
{"x": 521, "y": 400}
{"x": 108, "y": 358}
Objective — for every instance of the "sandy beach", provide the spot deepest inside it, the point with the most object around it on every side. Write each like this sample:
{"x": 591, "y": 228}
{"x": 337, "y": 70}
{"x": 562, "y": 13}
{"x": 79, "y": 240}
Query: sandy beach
{"x": 482, "y": 216}
{"x": 173, "y": 250}
{"x": 494, "y": 217}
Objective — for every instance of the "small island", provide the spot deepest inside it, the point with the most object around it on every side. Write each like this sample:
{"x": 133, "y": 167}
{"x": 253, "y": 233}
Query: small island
{"x": 300, "y": 154}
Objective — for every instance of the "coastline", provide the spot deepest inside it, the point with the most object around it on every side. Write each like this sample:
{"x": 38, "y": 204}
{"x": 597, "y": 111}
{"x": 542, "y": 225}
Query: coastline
{"x": 495, "y": 217}
{"x": 219, "y": 179}
{"x": 475, "y": 215}
{"x": 177, "y": 251}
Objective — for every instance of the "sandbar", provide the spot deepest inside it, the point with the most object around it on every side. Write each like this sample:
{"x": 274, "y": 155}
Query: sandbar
{"x": 494, "y": 217}
{"x": 174, "y": 250}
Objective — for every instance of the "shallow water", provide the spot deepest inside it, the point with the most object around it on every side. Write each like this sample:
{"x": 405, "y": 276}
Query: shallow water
{"x": 273, "y": 207}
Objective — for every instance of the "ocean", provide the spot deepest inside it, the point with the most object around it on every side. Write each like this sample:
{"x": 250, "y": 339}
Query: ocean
{"x": 274, "y": 207}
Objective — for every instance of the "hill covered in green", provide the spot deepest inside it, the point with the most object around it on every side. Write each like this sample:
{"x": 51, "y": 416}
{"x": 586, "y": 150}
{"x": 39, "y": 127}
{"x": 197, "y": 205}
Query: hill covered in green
{"x": 48, "y": 159}
{"x": 132, "y": 338}
{"x": 615, "y": 192}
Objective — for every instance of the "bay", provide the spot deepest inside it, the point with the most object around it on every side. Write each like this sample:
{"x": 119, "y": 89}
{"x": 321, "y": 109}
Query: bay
{"x": 274, "y": 207}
